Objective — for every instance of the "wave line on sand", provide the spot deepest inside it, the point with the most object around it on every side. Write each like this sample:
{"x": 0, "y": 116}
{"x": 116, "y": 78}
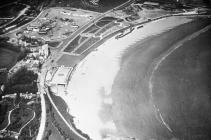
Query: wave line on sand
{"x": 162, "y": 58}
{"x": 98, "y": 71}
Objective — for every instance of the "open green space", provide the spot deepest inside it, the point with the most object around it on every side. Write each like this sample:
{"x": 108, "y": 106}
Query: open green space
{"x": 31, "y": 130}
{"x": 5, "y": 107}
{"x": 58, "y": 125}
{"x": 21, "y": 82}
{"x": 54, "y": 44}
{"x": 103, "y": 6}
{"x": 72, "y": 44}
{"x": 19, "y": 117}
{"x": 62, "y": 107}
{"x": 104, "y": 21}
{"x": 82, "y": 39}
{"x": 107, "y": 27}
{"x": 11, "y": 10}
{"x": 7, "y": 58}
{"x": 87, "y": 45}
{"x": 68, "y": 60}
{"x": 91, "y": 29}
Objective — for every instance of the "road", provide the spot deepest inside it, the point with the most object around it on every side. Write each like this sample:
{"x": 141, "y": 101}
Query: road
{"x": 8, "y": 117}
{"x": 22, "y": 12}
{"x": 34, "y": 114}
{"x": 63, "y": 46}
{"x": 23, "y": 26}
{"x": 9, "y": 120}
{"x": 43, "y": 116}
{"x": 83, "y": 28}
{"x": 65, "y": 121}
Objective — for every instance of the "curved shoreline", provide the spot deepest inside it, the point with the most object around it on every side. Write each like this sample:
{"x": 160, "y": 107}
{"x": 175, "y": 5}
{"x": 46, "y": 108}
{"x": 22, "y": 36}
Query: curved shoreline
{"x": 115, "y": 58}
{"x": 162, "y": 58}
{"x": 138, "y": 72}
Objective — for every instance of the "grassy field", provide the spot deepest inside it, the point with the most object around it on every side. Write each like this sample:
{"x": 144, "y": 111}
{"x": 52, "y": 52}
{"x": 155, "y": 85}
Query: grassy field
{"x": 133, "y": 112}
{"x": 55, "y": 123}
{"x": 86, "y": 45}
{"x": 104, "y": 5}
{"x": 72, "y": 45}
{"x": 19, "y": 117}
{"x": 107, "y": 27}
{"x": 7, "y": 58}
{"x": 54, "y": 44}
{"x": 68, "y": 60}
{"x": 62, "y": 106}
{"x": 51, "y": 131}
{"x": 5, "y": 107}
{"x": 104, "y": 21}
{"x": 91, "y": 29}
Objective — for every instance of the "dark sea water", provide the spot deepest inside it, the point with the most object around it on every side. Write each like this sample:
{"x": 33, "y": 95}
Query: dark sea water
{"x": 181, "y": 87}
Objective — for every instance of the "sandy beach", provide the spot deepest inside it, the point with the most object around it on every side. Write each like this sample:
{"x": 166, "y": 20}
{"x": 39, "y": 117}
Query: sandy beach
{"x": 89, "y": 90}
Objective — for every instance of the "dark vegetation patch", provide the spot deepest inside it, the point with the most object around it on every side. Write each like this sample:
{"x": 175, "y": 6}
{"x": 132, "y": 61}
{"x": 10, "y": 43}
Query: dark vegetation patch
{"x": 82, "y": 39}
{"x": 62, "y": 106}
{"x": 72, "y": 45}
{"x": 91, "y": 29}
{"x": 3, "y": 115}
{"x": 19, "y": 117}
{"x": 31, "y": 130}
{"x": 18, "y": 51}
{"x": 21, "y": 82}
{"x": 68, "y": 60}
{"x": 58, "y": 124}
{"x": 11, "y": 10}
{"x": 103, "y": 6}
{"x": 104, "y": 21}
{"x": 54, "y": 44}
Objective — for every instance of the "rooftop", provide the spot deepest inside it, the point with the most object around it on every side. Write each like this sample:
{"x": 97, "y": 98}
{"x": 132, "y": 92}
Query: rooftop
{"x": 61, "y": 75}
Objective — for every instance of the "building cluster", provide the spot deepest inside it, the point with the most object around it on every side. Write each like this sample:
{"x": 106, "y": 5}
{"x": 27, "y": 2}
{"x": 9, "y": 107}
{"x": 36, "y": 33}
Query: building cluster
{"x": 50, "y": 27}
{"x": 22, "y": 40}
{"x": 46, "y": 26}
{"x": 36, "y": 57}
{"x": 129, "y": 13}
{"x": 11, "y": 96}
{"x": 22, "y": 95}
{"x": 136, "y": 10}
{"x": 4, "y": 134}
{"x": 28, "y": 95}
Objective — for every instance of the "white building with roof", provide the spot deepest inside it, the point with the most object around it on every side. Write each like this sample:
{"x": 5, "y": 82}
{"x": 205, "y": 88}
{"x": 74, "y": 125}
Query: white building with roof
{"x": 44, "y": 51}
{"x": 60, "y": 78}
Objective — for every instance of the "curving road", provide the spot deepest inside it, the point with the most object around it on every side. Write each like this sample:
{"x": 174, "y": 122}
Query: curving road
{"x": 43, "y": 117}
{"x": 34, "y": 114}
{"x": 63, "y": 45}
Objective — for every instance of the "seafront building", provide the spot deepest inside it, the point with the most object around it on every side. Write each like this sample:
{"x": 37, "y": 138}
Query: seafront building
{"x": 57, "y": 79}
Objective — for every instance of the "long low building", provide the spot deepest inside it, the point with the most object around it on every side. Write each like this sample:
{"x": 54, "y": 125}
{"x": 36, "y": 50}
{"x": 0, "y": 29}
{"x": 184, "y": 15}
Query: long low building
{"x": 57, "y": 79}
{"x": 61, "y": 76}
